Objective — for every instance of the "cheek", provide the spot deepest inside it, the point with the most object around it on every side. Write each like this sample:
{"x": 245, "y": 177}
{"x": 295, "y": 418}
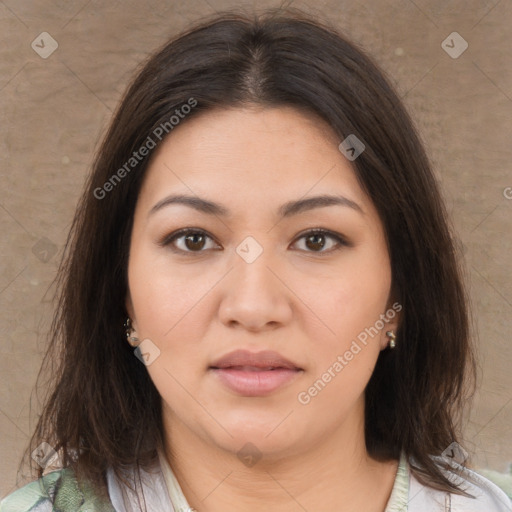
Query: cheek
{"x": 349, "y": 300}
{"x": 172, "y": 315}
{"x": 165, "y": 297}
{"x": 342, "y": 356}
{"x": 168, "y": 309}
{"x": 346, "y": 321}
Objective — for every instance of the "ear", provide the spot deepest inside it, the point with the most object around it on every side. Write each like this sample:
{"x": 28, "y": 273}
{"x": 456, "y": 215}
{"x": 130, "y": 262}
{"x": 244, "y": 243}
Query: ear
{"x": 391, "y": 318}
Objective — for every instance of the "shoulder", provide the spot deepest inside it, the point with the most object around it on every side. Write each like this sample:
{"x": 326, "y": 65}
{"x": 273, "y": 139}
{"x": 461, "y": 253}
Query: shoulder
{"x": 502, "y": 480}
{"x": 487, "y": 496}
{"x": 57, "y": 490}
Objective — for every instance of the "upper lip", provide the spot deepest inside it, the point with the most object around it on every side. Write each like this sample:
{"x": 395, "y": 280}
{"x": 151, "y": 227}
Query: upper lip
{"x": 267, "y": 359}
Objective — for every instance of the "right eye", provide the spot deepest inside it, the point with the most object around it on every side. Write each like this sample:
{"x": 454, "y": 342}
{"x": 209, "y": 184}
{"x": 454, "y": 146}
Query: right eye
{"x": 187, "y": 240}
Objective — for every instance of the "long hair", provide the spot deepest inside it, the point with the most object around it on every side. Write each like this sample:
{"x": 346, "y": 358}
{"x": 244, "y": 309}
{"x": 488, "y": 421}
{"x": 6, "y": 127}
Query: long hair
{"x": 102, "y": 408}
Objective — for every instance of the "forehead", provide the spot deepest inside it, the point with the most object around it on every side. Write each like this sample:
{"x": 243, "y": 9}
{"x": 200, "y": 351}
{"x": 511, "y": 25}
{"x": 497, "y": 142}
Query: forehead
{"x": 251, "y": 158}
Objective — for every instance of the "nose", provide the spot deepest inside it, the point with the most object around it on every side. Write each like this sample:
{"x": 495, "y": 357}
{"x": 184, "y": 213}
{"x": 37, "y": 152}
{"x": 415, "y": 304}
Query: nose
{"x": 255, "y": 296}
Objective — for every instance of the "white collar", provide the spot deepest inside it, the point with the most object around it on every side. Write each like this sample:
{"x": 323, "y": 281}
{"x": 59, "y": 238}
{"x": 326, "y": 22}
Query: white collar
{"x": 162, "y": 491}
{"x": 488, "y": 496}
{"x": 173, "y": 487}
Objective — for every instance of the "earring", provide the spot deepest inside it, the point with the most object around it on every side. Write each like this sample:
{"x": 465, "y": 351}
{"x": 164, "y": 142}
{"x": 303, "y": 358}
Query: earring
{"x": 392, "y": 342}
{"x": 132, "y": 340}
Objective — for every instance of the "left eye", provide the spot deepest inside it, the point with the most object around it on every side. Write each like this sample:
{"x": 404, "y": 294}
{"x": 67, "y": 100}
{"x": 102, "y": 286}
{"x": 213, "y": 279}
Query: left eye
{"x": 316, "y": 240}
{"x": 193, "y": 240}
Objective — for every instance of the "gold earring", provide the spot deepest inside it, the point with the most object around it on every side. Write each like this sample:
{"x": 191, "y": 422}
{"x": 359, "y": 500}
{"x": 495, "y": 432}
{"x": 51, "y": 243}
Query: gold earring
{"x": 392, "y": 342}
{"x": 132, "y": 340}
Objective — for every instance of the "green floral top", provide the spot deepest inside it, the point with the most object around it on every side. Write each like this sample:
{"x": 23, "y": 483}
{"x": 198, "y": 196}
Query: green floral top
{"x": 57, "y": 491}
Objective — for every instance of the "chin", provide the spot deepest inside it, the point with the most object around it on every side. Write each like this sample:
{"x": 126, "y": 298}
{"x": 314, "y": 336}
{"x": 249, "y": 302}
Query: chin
{"x": 270, "y": 436}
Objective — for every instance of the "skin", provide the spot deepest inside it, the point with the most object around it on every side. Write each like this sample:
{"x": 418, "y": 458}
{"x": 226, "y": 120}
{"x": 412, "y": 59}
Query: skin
{"x": 308, "y": 302}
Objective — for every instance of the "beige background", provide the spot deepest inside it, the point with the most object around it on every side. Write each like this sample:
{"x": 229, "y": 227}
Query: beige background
{"x": 54, "y": 111}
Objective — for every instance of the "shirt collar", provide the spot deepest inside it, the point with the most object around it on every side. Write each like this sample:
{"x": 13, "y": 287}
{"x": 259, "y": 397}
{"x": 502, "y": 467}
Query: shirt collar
{"x": 397, "y": 501}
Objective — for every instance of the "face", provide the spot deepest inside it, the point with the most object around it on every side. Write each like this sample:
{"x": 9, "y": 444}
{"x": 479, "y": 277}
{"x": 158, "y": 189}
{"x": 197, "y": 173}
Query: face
{"x": 253, "y": 262}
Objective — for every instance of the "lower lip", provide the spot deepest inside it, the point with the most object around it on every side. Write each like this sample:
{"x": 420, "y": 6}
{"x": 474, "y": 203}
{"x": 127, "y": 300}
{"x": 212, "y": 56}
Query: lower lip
{"x": 255, "y": 383}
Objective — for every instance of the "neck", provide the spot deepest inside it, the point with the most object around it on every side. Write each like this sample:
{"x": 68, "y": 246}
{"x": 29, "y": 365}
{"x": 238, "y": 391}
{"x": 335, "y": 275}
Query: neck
{"x": 334, "y": 474}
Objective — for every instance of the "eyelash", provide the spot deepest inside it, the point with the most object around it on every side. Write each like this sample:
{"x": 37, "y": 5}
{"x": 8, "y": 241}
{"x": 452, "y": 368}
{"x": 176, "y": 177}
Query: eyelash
{"x": 169, "y": 239}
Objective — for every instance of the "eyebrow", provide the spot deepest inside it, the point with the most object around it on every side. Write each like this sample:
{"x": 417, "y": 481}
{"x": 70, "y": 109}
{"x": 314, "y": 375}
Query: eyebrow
{"x": 286, "y": 210}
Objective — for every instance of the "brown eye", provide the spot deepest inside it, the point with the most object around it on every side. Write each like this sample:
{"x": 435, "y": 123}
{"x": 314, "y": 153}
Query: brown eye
{"x": 318, "y": 240}
{"x": 188, "y": 240}
{"x": 194, "y": 241}
{"x": 315, "y": 241}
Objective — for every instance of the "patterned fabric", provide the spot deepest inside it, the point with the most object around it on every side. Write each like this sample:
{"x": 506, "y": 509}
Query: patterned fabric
{"x": 57, "y": 491}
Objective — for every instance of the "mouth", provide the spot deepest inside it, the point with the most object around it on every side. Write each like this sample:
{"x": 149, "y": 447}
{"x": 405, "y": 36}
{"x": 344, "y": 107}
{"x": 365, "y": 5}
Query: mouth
{"x": 254, "y": 374}
{"x": 258, "y": 361}
{"x": 250, "y": 368}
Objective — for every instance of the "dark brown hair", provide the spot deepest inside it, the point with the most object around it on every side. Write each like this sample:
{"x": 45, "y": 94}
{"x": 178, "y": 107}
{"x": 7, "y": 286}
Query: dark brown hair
{"x": 102, "y": 403}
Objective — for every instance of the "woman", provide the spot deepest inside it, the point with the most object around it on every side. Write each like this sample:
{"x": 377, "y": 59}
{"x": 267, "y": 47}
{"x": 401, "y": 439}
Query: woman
{"x": 261, "y": 302}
